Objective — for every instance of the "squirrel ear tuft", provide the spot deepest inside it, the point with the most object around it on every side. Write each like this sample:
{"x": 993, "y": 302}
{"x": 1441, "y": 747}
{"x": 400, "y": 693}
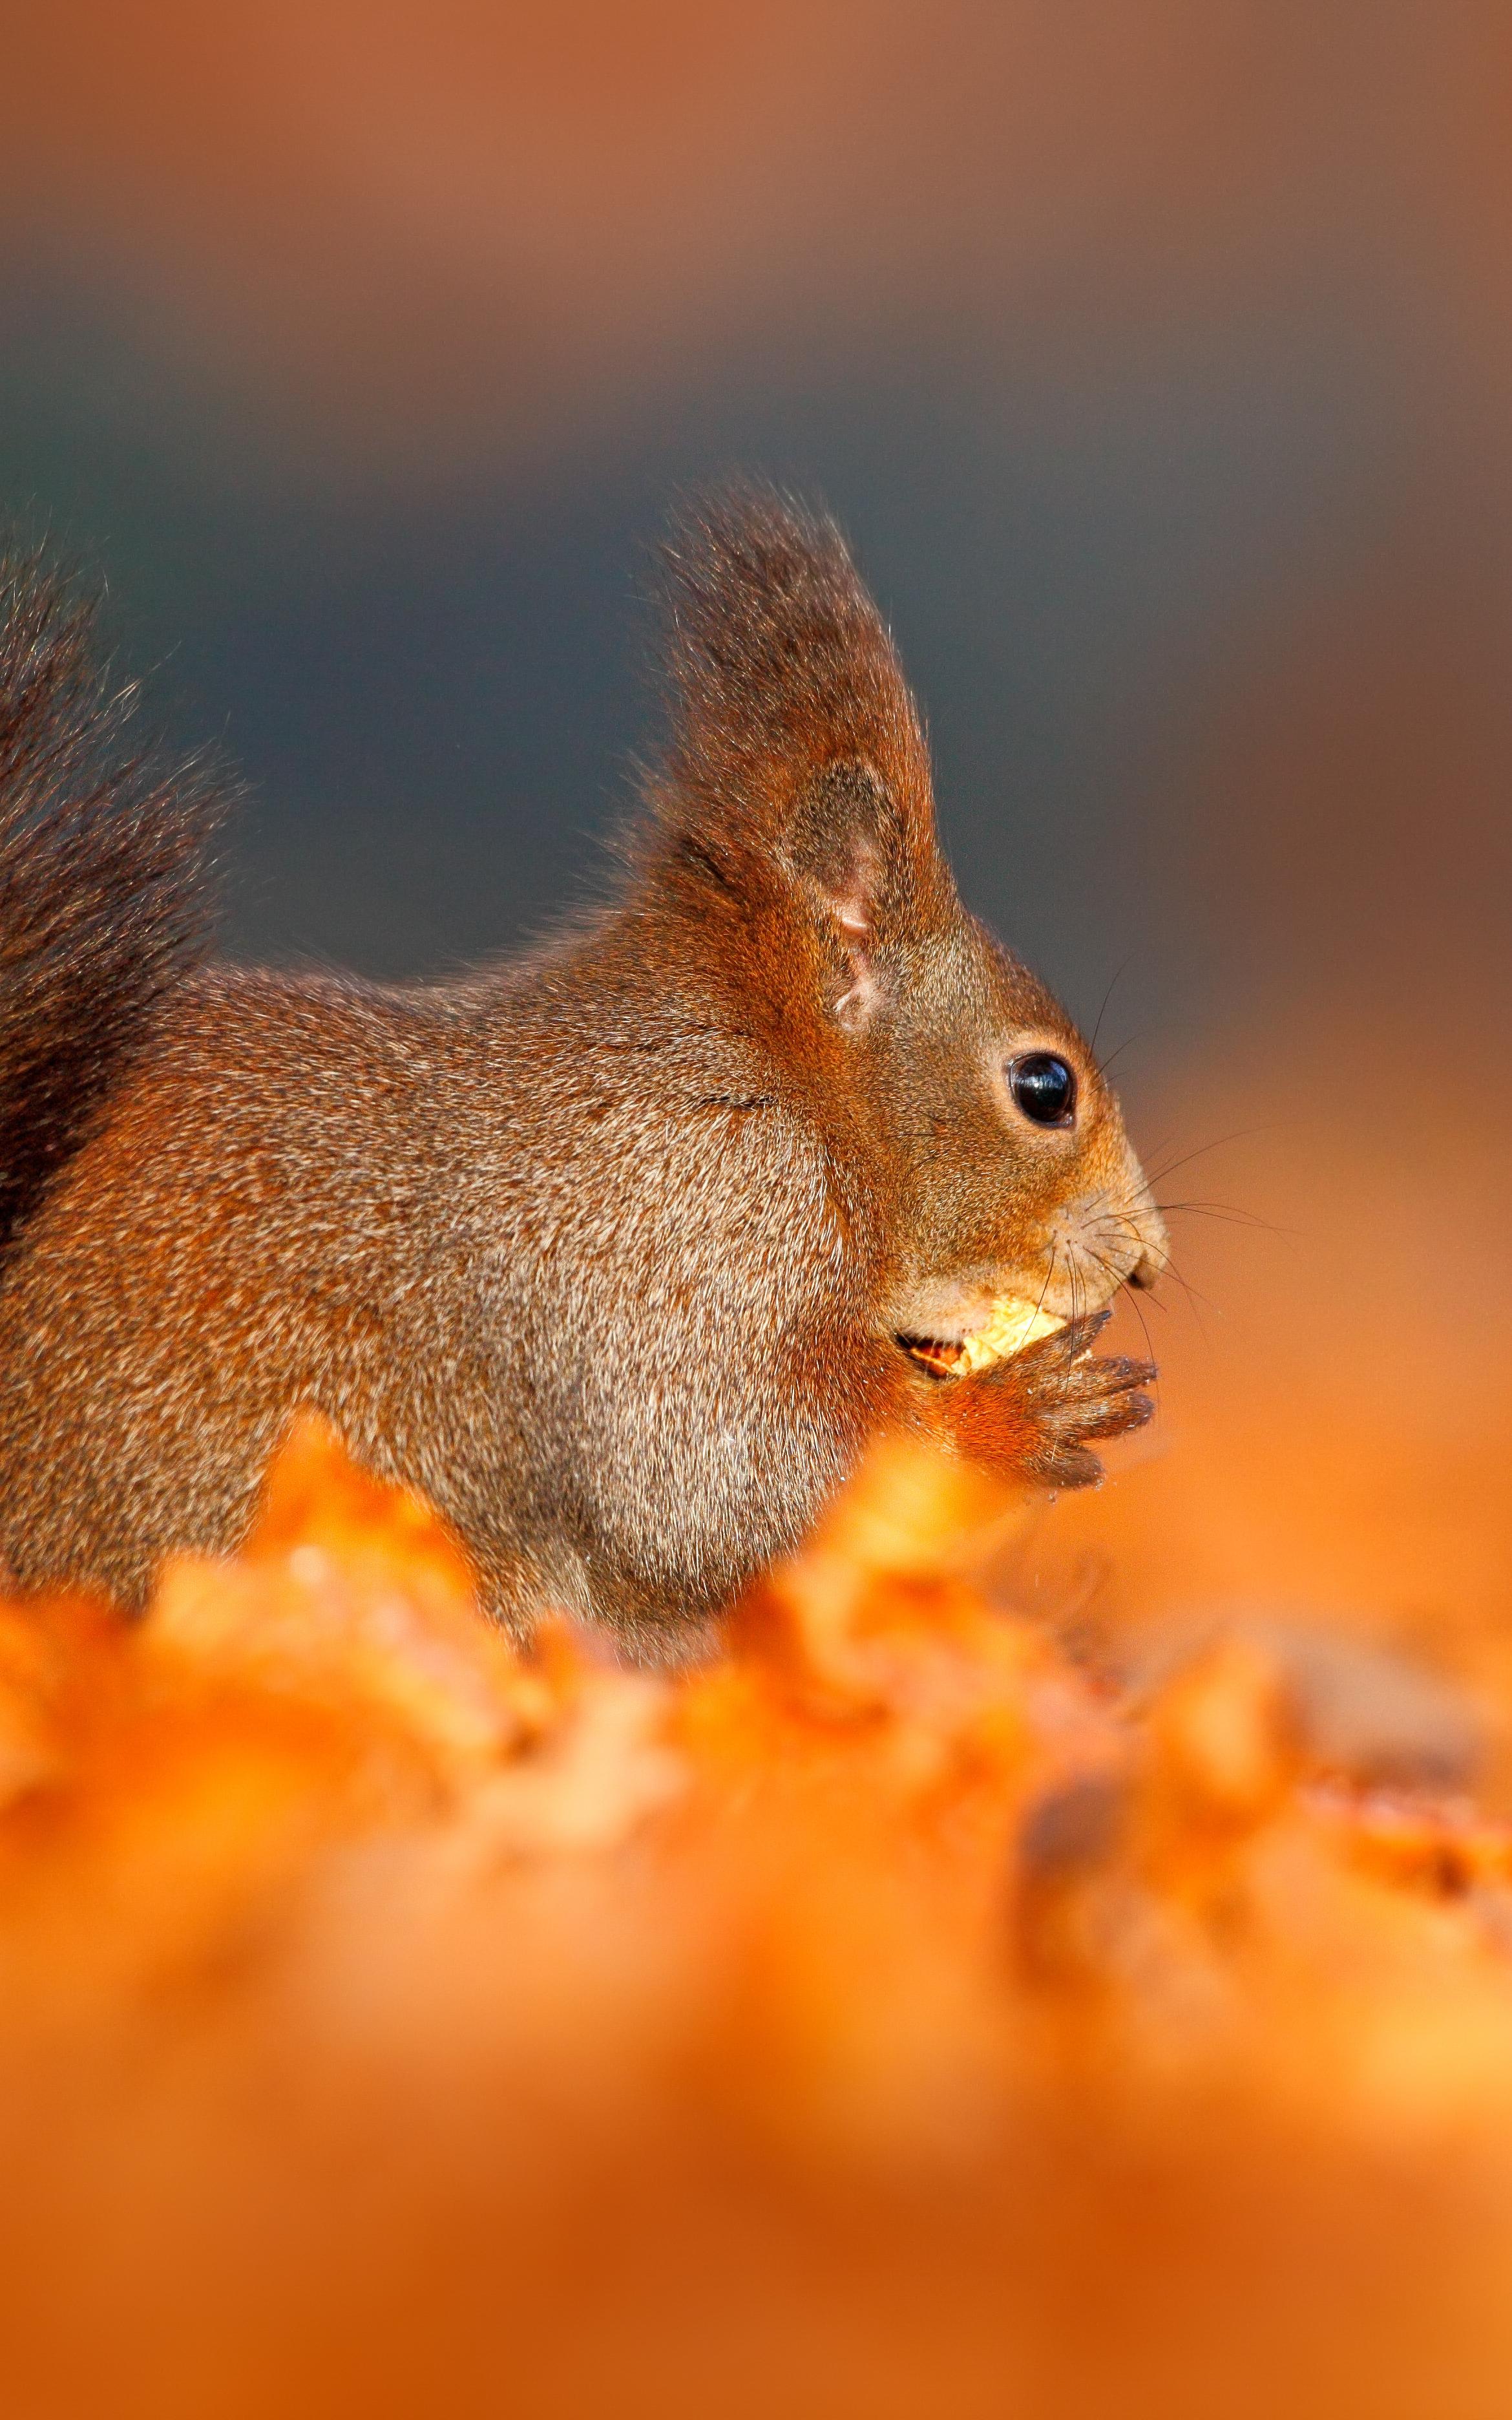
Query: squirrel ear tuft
{"x": 795, "y": 761}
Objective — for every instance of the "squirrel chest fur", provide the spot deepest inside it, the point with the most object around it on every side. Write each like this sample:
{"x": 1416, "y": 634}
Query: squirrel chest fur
{"x": 622, "y": 1253}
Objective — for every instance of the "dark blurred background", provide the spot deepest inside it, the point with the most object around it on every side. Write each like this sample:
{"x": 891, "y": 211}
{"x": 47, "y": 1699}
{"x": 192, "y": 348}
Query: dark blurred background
{"x": 1155, "y": 356}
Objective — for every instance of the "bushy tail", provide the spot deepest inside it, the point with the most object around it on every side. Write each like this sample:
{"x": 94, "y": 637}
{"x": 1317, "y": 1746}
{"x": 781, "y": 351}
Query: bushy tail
{"x": 105, "y": 857}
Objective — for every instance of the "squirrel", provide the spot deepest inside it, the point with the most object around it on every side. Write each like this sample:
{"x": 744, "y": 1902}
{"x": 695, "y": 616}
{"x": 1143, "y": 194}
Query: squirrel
{"x": 620, "y": 1251}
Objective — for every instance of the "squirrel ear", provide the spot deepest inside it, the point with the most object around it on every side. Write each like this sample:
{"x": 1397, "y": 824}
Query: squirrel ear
{"x": 845, "y": 849}
{"x": 795, "y": 764}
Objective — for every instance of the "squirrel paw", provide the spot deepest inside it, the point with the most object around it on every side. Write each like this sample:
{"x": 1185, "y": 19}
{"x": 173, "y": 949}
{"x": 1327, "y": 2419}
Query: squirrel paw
{"x": 1035, "y": 1415}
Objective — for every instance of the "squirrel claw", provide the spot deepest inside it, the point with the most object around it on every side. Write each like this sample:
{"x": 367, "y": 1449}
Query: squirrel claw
{"x": 1035, "y": 1415}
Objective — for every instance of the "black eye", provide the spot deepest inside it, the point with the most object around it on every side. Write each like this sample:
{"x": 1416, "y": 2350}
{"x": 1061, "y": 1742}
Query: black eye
{"x": 1043, "y": 1087}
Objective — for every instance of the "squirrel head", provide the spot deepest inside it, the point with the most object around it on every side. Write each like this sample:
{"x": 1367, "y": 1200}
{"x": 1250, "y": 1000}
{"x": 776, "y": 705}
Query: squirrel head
{"x": 792, "y": 836}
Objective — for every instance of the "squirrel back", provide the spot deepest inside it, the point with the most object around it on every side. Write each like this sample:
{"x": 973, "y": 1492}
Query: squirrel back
{"x": 622, "y": 1251}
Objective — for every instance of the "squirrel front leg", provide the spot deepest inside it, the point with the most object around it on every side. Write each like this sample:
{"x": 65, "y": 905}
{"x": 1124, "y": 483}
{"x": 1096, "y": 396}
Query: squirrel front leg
{"x": 1034, "y": 1416}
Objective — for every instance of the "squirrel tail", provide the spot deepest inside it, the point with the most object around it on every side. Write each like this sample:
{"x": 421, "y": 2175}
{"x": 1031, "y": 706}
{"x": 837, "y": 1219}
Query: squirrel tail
{"x": 104, "y": 879}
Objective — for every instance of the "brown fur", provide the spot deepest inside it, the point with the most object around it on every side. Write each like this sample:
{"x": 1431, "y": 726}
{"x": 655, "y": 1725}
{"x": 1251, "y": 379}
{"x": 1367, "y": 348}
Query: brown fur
{"x": 102, "y": 857}
{"x": 608, "y": 1250}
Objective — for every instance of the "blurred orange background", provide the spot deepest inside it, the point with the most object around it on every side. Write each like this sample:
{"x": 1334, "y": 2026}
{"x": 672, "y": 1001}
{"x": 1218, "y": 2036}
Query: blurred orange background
{"x": 1156, "y": 358}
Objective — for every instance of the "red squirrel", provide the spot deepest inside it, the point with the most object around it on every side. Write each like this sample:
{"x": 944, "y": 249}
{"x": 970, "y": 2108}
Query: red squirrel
{"x": 621, "y": 1252}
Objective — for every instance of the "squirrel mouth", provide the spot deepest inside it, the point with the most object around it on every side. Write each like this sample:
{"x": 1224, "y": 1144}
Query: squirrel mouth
{"x": 1011, "y": 1325}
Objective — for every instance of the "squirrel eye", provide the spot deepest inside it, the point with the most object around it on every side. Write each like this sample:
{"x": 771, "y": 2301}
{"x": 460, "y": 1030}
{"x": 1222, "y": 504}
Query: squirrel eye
{"x": 1043, "y": 1087}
